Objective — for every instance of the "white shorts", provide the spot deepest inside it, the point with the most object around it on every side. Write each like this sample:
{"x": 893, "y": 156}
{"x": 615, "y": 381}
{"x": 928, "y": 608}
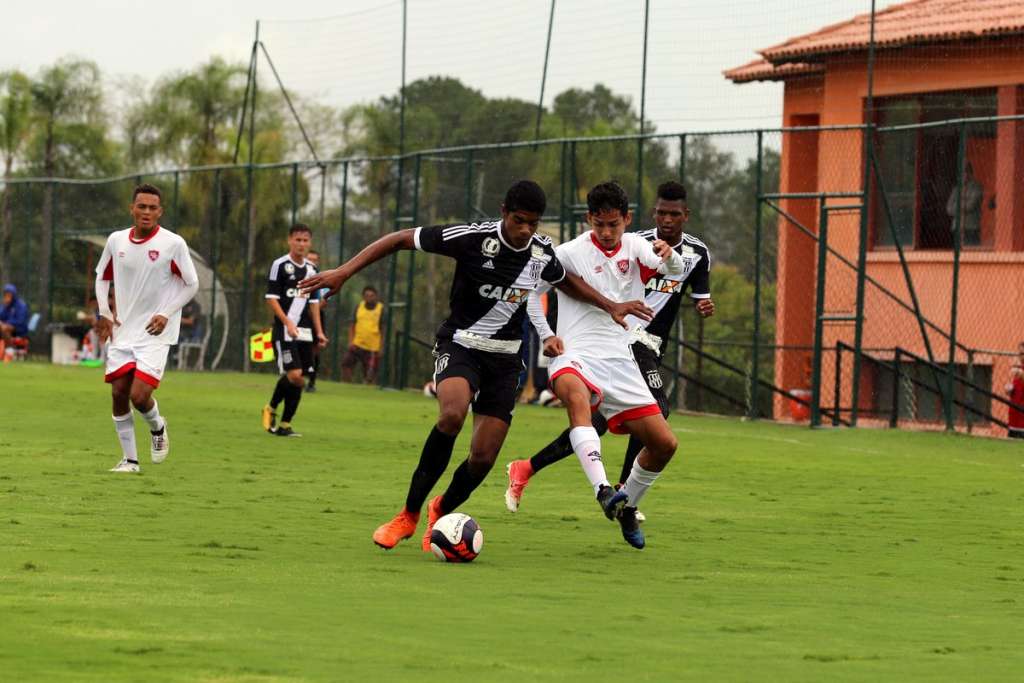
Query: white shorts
{"x": 616, "y": 386}
{"x": 147, "y": 361}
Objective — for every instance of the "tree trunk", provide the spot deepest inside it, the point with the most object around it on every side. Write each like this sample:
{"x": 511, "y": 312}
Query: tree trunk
{"x": 5, "y": 226}
{"x": 42, "y": 293}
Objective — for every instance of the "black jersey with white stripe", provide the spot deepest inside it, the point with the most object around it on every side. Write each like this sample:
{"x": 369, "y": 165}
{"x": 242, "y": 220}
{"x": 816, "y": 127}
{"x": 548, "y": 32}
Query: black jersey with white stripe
{"x": 492, "y": 279}
{"x": 283, "y": 285}
{"x": 663, "y": 293}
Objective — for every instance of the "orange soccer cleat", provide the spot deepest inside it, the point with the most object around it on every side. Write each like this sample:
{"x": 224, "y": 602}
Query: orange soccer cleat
{"x": 403, "y": 526}
{"x": 433, "y": 514}
{"x": 519, "y": 473}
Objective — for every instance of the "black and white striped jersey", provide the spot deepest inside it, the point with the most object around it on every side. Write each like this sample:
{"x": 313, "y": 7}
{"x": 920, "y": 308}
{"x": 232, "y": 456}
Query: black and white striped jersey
{"x": 663, "y": 293}
{"x": 283, "y": 284}
{"x": 492, "y": 279}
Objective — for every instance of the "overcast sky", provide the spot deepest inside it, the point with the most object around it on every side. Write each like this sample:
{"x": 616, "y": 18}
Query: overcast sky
{"x": 345, "y": 52}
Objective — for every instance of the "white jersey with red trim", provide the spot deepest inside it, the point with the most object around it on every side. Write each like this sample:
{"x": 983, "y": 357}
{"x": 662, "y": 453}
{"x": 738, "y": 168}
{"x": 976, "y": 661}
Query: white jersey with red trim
{"x": 147, "y": 274}
{"x": 619, "y": 275}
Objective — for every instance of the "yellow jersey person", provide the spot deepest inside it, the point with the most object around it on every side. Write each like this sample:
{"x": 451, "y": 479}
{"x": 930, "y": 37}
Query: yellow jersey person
{"x": 364, "y": 339}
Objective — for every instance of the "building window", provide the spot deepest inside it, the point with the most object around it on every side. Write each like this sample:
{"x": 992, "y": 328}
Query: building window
{"x": 918, "y": 169}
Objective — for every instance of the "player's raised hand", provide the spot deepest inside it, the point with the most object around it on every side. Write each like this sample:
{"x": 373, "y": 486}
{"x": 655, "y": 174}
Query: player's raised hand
{"x": 331, "y": 280}
{"x": 553, "y": 346}
{"x": 156, "y": 324}
{"x": 662, "y": 249}
{"x": 706, "y": 307}
{"x": 105, "y": 327}
{"x": 618, "y": 312}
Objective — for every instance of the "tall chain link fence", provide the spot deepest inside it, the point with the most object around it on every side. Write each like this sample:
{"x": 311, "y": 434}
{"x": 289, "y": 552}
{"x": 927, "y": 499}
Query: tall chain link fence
{"x": 892, "y": 305}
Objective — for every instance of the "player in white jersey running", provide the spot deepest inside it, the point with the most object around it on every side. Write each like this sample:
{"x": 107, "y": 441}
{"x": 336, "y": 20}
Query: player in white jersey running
{"x": 593, "y": 368}
{"x": 664, "y": 295}
{"x": 153, "y": 277}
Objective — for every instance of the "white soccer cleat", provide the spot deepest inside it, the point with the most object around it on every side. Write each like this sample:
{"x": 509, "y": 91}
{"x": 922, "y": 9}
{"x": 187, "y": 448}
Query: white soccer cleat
{"x": 160, "y": 445}
{"x": 125, "y": 466}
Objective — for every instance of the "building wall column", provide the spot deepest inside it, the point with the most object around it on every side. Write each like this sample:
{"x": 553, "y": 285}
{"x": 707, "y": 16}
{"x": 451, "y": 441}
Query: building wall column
{"x": 1009, "y": 228}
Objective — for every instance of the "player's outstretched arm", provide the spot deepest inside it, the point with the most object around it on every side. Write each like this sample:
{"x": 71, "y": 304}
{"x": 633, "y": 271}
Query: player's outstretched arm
{"x": 334, "y": 279}
{"x": 577, "y": 288}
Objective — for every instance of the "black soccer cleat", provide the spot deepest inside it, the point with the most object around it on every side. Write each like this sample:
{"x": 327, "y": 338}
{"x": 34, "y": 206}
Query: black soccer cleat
{"x": 285, "y": 431}
{"x": 611, "y": 501}
{"x": 631, "y": 530}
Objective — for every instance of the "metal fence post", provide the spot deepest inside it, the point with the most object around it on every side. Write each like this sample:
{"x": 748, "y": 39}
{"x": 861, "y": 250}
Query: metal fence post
{"x": 469, "y": 184}
{"x": 214, "y": 249}
{"x": 836, "y": 397}
{"x": 295, "y": 192}
{"x": 961, "y": 157}
{"x": 755, "y": 365}
{"x": 819, "y": 312}
{"x": 403, "y": 373}
{"x": 341, "y": 259}
{"x": 894, "y": 416}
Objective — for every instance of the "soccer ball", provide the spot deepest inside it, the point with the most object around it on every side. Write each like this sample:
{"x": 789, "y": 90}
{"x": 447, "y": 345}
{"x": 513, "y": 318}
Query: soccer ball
{"x": 430, "y": 390}
{"x": 456, "y": 538}
{"x": 548, "y": 399}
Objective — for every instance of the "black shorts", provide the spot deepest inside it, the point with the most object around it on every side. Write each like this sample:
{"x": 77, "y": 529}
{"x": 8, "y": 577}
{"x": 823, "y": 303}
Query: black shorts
{"x": 493, "y": 377}
{"x": 294, "y": 355}
{"x": 649, "y": 363}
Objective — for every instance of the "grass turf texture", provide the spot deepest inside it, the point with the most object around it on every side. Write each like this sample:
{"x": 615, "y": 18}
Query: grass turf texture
{"x": 773, "y": 552}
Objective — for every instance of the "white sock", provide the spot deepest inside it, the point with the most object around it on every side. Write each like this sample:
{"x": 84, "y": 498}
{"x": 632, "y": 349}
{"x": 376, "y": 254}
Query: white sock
{"x": 638, "y": 482}
{"x": 587, "y": 445}
{"x": 125, "y": 426}
{"x": 156, "y": 423}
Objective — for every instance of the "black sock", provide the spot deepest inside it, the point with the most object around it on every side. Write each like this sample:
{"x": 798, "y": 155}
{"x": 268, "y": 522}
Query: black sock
{"x": 291, "y": 402}
{"x": 316, "y": 368}
{"x": 561, "y": 447}
{"x": 437, "y": 451}
{"x": 632, "y": 450}
{"x": 280, "y": 391}
{"x": 465, "y": 480}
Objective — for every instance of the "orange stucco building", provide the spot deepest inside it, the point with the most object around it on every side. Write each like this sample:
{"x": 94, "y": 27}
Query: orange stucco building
{"x": 935, "y": 60}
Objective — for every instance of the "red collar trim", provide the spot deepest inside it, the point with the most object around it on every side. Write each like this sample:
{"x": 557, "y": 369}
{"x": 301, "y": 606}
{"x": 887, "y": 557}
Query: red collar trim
{"x": 131, "y": 235}
{"x": 606, "y": 252}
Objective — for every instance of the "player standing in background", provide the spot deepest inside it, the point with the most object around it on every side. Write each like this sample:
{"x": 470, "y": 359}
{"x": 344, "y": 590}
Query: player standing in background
{"x": 477, "y": 350}
{"x": 152, "y": 270}
{"x": 297, "y": 328}
{"x": 663, "y": 294}
{"x": 593, "y": 368}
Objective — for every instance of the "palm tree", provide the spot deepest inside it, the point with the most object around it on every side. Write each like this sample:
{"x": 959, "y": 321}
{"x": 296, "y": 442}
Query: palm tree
{"x": 67, "y": 108}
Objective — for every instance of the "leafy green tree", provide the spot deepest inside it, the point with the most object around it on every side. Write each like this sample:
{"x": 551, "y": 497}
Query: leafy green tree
{"x": 70, "y": 137}
{"x": 15, "y": 122}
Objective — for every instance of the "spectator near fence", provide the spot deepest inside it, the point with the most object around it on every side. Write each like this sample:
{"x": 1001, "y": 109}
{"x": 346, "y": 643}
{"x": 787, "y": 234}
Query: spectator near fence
{"x": 364, "y": 343}
{"x": 1015, "y": 388}
{"x": 13, "y": 319}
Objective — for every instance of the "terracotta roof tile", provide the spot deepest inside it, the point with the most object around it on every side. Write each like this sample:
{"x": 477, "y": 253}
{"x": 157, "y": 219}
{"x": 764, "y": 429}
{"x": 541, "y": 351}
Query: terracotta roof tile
{"x": 761, "y": 70}
{"x": 915, "y": 22}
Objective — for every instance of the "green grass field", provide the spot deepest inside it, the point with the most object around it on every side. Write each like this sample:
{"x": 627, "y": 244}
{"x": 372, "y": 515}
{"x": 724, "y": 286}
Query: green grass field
{"x": 774, "y": 553}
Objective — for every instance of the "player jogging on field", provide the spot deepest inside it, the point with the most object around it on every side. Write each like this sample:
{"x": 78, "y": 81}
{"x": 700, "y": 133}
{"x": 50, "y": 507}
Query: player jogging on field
{"x": 477, "y": 348}
{"x": 153, "y": 277}
{"x": 593, "y": 368}
{"x": 663, "y": 294}
{"x": 297, "y": 328}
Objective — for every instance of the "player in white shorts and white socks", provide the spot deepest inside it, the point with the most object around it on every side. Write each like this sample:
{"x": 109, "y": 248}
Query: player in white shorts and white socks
{"x": 153, "y": 277}
{"x": 593, "y": 367}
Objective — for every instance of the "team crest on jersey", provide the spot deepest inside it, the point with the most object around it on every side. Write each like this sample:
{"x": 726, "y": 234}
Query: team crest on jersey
{"x": 535, "y": 269}
{"x": 289, "y": 268}
{"x": 441, "y": 363}
{"x": 623, "y": 265}
{"x": 654, "y": 379}
{"x": 536, "y": 251}
{"x": 490, "y": 246}
{"x": 154, "y": 254}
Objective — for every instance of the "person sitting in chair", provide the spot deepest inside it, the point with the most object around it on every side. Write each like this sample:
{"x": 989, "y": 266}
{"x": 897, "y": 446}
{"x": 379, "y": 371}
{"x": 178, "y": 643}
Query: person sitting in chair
{"x": 13, "y": 319}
